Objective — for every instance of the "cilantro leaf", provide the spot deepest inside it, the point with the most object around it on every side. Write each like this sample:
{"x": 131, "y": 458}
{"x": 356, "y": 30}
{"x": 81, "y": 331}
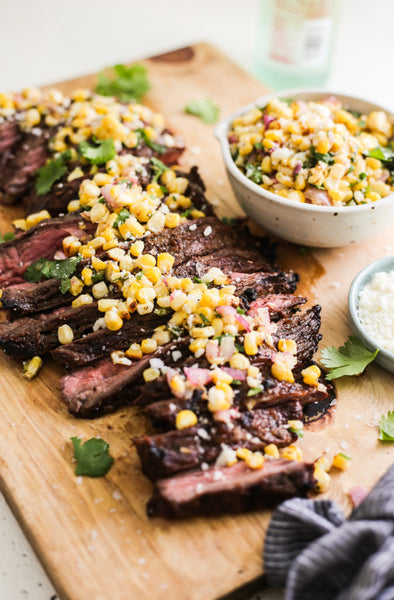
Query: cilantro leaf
{"x": 123, "y": 215}
{"x": 125, "y": 83}
{"x": 65, "y": 285}
{"x": 153, "y": 145}
{"x": 204, "y": 318}
{"x": 254, "y": 173}
{"x": 7, "y": 236}
{"x": 254, "y": 391}
{"x": 350, "y": 359}
{"x": 386, "y": 427}
{"x": 51, "y": 172}
{"x": 97, "y": 152}
{"x": 158, "y": 168}
{"x": 314, "y": 157}
{"x": 48, "y": 269}
{"x": 205, "y": 109}
{"x": 298, "y": 432}
{"x": 94, "y": 459}
{"x": 383, "y": 154}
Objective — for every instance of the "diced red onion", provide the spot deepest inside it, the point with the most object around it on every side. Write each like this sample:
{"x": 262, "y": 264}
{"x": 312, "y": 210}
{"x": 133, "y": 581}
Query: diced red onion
{"x": 297, "y": 168}
{"x": 357, "y": 494}
{"x": 235, "y": 373}
{"x": 268, "y": 120}
{"x": 212, "y": 349}
{"x": 198, "y": 377}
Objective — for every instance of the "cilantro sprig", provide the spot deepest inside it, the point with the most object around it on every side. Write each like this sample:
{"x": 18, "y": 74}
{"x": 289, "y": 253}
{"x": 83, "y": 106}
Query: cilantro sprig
{"x": 314, "y": 157}
{"x": 386, "y": 427}
{"x": 153, "y": 145}
{"x": 125, "y": 83}
{"x": 205, "y": 109}
{"x": 7, "y": 237}
{"x": 52, "y": 171}
{"x": 93, "y": 457}
{"x": 53, "y": 269}
{"x": 97, "y": 152}
{"x": 158, "y": 168}
{"x": 350, "y": 359}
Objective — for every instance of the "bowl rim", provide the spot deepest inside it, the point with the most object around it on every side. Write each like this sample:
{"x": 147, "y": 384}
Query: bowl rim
{"x": 361, "y": 279}
{"x": 221, "y": 130}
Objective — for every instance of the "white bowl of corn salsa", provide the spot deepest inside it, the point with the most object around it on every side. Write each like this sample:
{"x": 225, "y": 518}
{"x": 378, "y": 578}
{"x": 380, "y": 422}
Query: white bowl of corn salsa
{"x": 313, "y": 167}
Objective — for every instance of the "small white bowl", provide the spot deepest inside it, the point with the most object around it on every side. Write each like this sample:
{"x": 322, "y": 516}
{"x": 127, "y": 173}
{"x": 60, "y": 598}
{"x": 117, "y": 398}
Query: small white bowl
{"x": 305, "y": 224}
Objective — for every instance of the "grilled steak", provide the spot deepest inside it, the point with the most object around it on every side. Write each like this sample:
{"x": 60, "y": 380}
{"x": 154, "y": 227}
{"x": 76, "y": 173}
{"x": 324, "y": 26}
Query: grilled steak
{"x": 230, "y": 489}
{"x": 9, "y": 135}
{"x": 165, "y": 454}
{"x": 34, "y": 297}
{"x": 41, "y": 241}
{"x": 30, "y": 336}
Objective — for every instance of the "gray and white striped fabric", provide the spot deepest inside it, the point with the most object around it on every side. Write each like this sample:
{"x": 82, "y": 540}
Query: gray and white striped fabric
{"x": 319, "y": 555}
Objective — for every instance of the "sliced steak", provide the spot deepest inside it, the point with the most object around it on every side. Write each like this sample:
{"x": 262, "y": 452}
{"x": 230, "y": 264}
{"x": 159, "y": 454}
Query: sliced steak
{"x": 34, "y": 297}
{"x": 9, "y": 135}
{"x": 57, "y": 199}
{"x": 41, "y": 241}
{"x": 245, "y": 260}
{"x": 30, "y": 336}
{"x": 87, "y": 392}
{"x": 279, "y": 305}
{"x": 304, "y": 329}
{"x": 230, "y": 489}
{"x": 99, "y": 344}
{"x": 252, "y": 285}
{"x": 164, "y": 454}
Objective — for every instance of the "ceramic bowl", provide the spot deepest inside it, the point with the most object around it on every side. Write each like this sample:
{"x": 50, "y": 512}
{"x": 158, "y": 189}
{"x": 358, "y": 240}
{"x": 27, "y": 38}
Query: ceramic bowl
{"x": 384, "y": 358}
{"x": 306, "y": 224}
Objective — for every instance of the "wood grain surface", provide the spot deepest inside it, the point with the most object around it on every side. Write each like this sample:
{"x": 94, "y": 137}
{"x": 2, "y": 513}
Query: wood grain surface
{"x": 92, "y": 535}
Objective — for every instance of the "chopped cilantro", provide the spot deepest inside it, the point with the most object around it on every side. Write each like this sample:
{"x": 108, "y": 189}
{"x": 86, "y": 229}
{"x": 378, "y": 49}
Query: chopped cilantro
{"x": 175, "y": 331}
{"x": 52, "y": 171}
{"x": 297, "y": 432}
{"x": 197, "y": 280}
{"x": 362, "y": 176}
{"x": 161, "y": 311}
{"x": 383, "y": 154}
{"x": 345, "y": 456}
{"x": 240, "y": 311}
{"x": 7, "y": 237}
{"x": 204, "y": 318}
{"x": 258, "y": 146}
{"x": 314, "y": 157}
{"x": 187, "y": 213}
{"x": 98, "y": 151}
{"x": 254, "y": 173}
{"x": 158, "y": 167}
{"x": 254, "y": 391}
{"x": 123, "y": 215}
{"x": 57, "y": 269}
{"x": 153, "y": 145}
{"x": 287, "y": 100}
{"x": 93, "y": 457}
{"x": 239, "y": 347}
{"x": 99, "y": 276}
{"x": 139, "y": 275}
{"x": 386, "y": 427}
{"x": 350, "y": 359}
{"x": 236, "y": 382}
{"x": 205, "y": 109}
{"x": 125, "y": 83}
{"x": 362, "y": 123}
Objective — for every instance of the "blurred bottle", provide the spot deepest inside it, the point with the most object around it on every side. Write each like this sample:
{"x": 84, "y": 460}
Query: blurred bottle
{"x": 295, "y": 42}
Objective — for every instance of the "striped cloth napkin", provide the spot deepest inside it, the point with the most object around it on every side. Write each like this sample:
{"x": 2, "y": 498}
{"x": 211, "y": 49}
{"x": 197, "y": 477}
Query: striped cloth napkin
{"x": 319, "y": 555}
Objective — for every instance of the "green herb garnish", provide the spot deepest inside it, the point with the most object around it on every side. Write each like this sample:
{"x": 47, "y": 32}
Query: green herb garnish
{"x": 297, "y": 432}
{"x": 52, "y": 171}
{"x": 205, "y": 109}
{"x": 125, "y": 83}
{"x": 314, "y": 157}
{"x": 158, "y": 168}
{"x": 153, "y": 145}
{"x": 94, "y": 459}
{"x": 350, "y": 359}
{"x": 98, "y": 276}
{"x": 97, "y": 152}
{"x": 197, "y": 280}
{"x": 187, "y": 213}
{"x": 386, "y": 427}
{"x": 363, "y": 176}
{"x": 204, "y": 318}
{"x": 7, "y": 237}
{"x": 254, "y": 173}
{"x": 53, "y": 269}
{"x": 254, "y": 391}
{"x": 175, "y": 331}
{"x": 240, "y": 311}
{"x": 161, "y": 311}
{"x": 383, "y": 154}
{"x": 123, "y": 215}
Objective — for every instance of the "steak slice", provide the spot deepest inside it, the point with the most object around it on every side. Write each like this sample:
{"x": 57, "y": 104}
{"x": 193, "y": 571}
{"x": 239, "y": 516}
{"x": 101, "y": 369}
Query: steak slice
{"x": 89, "y": 391}
{"x": 245, "y": 260}
{"x": 41, "y": 241}
{"x": 164, "y": 454}
{"x": 9, "y": 135}
{"x": 34, "y": 297}
{"x": 232, "y": 489}
{"x": 30, "y": 336}
{"x": 279, "y": 305}
{"x": 100, "y": 343}
{"x": 304, "y": 329}
{"x": 252, "y": 285}
{"x": 30, "y": 154}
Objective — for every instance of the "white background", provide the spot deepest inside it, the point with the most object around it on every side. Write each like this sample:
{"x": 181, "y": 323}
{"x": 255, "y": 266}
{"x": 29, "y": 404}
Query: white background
{"x": 43, "y": 41}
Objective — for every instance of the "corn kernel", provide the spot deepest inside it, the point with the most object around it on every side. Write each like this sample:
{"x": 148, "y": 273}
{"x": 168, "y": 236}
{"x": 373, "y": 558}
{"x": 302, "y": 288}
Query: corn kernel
{"x": 255, "y": 460}
{"x": 172, "y": 220}
{"x": 281, "y": 372}
{"x": 217, "y": 400}
{"x": 76, "y": 286}
{"x": 185, "y": 418}
{"x": 82, "y": 300}
{"x": 292, "y": 453}
{"x": 322, "y": 480}
{"x": 112, "y": 320}
{"x": 98, "y": 264}
{"x": 87, "y": 275}
{"x": 145, "y": 308}
{"x": 243, "y": 453}
{"x": 197, "y": 344}
{"x": 100, "y": 290}
{"x": 311, "y": 375}
{"x": 341, "y": 461}
{"x": 148, "y": 345}
{"x": 272, "y": 450}
{"x": 65, "y": 334}
{"x": 107, "y": 304}
{"x": 71, "y": 245}
{"x": 220, "y": 376}
{"x": 239, "y": 361}
{"x": 151, "y": 374}
{"x": 287, "y": 346}
{"x": 250, "y": 343}
{"x": 137, "y": 248}
{"x": 31, "y": 367}
{"x": 161, "y": 337}
{"x": 35, "y": 218}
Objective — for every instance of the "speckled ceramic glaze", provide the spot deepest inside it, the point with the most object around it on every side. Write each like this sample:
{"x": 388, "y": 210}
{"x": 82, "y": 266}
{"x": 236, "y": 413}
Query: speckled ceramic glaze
{"x": 384, "y": 358}
{"x": 306, "y": 224}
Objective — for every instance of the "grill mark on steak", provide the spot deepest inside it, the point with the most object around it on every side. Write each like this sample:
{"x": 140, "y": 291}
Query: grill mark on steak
{"x": 34, "y": 297}
{"x": 304, "y": 329}
{"x": 41, "y": 241}
{"x": 30, "y": 336}
{"x": 232, "y": 489}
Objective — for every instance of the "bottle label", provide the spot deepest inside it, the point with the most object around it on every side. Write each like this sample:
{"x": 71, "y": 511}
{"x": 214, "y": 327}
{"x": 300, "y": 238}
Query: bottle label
{"x": 296, "y": 40}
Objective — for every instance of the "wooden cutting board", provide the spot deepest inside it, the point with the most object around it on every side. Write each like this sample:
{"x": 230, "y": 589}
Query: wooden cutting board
{"x": 93, "y": 536}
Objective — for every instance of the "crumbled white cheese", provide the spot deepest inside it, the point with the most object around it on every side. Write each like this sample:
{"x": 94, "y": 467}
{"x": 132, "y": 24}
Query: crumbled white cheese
{"x": 208, "y": 231}
{"x": 116, "y": 495}
{"x": 156, "y": 363}
{"x": 176, "y": 355}
{"x": 376, "y": 309}
{"x": 193, "y": 227}
{"x": 226, "y": 457}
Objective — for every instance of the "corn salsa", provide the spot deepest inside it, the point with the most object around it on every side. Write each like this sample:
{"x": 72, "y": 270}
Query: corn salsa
{"x": 315, "y": 152}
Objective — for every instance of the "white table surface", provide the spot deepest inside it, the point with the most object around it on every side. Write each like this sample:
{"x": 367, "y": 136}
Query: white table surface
{"x": 43, "y": 41}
